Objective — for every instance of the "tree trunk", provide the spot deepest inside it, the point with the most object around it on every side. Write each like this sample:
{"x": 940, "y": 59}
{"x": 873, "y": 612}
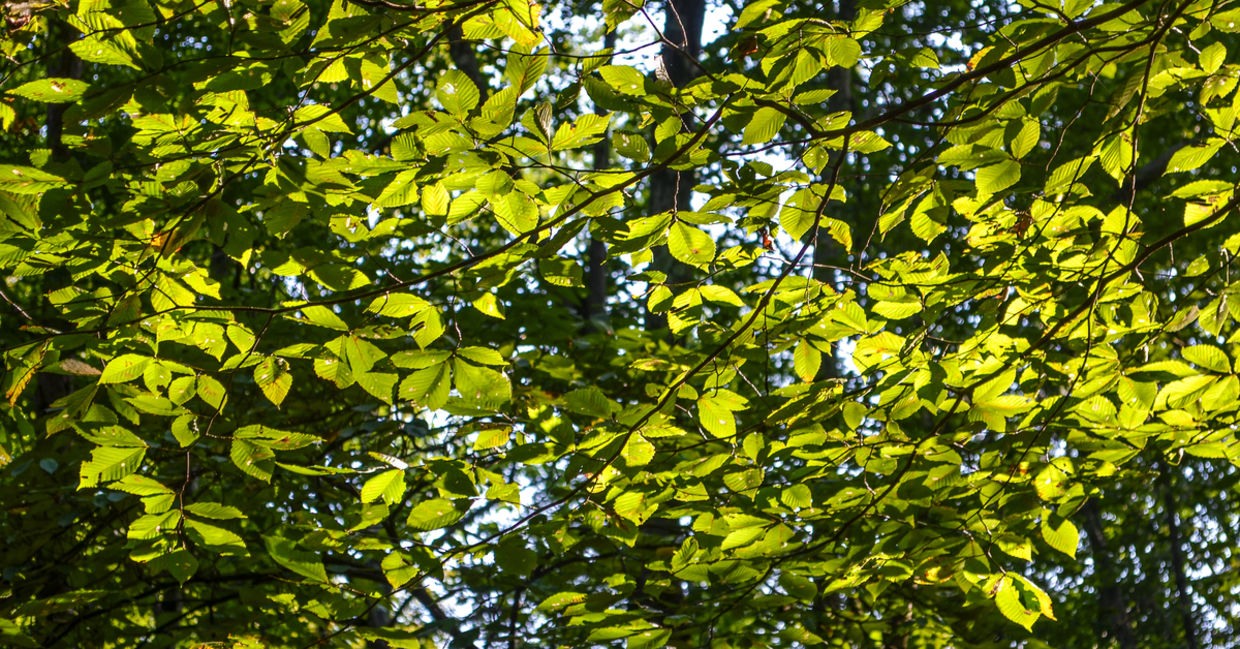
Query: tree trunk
{"x": 671, "y": 190}
{"x": 826, "y": 252}
{"x": 840, "y": 79}
{"x": 62, "y": 62}
{"x": 596, "y": 270}
{"x": 465, "y": 60}
{"x": 1113, "y": 622}
{"x": 1174, "y": 540}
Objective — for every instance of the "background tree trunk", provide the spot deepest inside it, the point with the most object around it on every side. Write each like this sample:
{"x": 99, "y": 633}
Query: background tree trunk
{"x": 1112, "y": 610}
{"x": 1183, "y": 599}
{"x": 596, "y": 269}
{"x": 671, "y": 189}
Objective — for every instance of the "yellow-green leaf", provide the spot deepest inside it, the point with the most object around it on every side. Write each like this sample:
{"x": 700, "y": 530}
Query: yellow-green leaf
{"x": 54, "y": 90}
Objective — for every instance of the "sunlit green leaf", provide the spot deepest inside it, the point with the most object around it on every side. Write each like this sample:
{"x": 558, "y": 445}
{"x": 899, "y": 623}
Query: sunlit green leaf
{"x": 764, "y": 125}
{"x": 53, "y": 90}
{"x": 690, "y": 245}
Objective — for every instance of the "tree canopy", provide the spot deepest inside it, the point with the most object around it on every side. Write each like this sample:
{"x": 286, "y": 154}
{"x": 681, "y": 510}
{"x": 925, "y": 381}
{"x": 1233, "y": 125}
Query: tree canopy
{"x": 492, "y": 323}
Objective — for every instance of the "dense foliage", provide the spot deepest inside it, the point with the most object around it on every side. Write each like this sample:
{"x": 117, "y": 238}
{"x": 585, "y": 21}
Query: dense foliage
{"x": 700, "y": 324}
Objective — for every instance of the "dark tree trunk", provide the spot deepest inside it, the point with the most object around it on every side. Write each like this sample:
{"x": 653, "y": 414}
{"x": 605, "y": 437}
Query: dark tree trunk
{"x": 826, "y": 252}
{"x": 596, "y": 270}
{"x": 465, "y": 60}
{"x": 671, "y": 190}
{"x": 1113, "y": 622}
{"x": 1184, "y": 600}
{"x": 62, "y": 62}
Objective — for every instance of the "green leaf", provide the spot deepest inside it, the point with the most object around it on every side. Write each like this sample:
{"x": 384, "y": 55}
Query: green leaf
{"x": 390, "y": 485}
{"x": 480, "y": 386}
{"x": 323, "y": 117}
{"x": 763, "y": 126}
{"x": 273, "y": 438}
{"x": 524, "y": 67}
{"x": 481, "y": 356}
{"x": 185, "y": 430}
{"x": 560, "y": 601}
{"x": 1195, "y": 213}
{"x": 590, "y": 401}
{"x": 434, "y": 514}
{"x": 624, "y": 79}
{"x": 400, "y": 192}
{"x": 428, "y": 387}
{"x": 648, "y": 639}
{"x": 797, "y": 496}
{"x": 397, "y": 305}
{"x": 1212, "y": 56}
{"x": 257, "y": 461}
{"x": 217, "y": 511}
{"x": 797, "y": 586}
{"x": 1192, "y": 157}
{"x": 690, "y": 245}
{"x": 286, "y": 553}
{"x": 456, "y": 92}
{"x": 153, "y": 525}
{"x": 896, "y": 310}
{"x": 338, "y": 277}
{"x": 27, "y": 180}
{"x": 99, "y": 50}
{"x": 492, "y": 438}
{"x": 721, "y": 295}
{"x": 124, "y": 368}
{"x": 1026, "y": 138}
{"x": 13, "y": 634}
{"x": 486, "y": 304}
{"x": 997, "y": 177}
{"x": 741, "y": 537}
{"x": 1199, "y": 188}
{"x": 1008, "y": 600}
{"x": 1207, "y": 356}
{"x": 806, "y": 361}
{"x": 180, "y": 563}
{"x": 1069, "y": 175}
{"x": 378, "y": 384}
{"x": 214, "y": 538}
{"x": 1116, "y": 155}
{"x": 1015, "y": 546}
{"x": 1051, "y": 481}
{"x": 637, "y": 451}
{"x": 140, "y": 485}
{"x": 324, "y": 317}
{"x": 332, "y": 368}
{"x": 800, "y": 213}
{"x": 398, "y": 570}
{"x": 274, "y": 381}
{"x": 514, "y": 558}
{"x": 109, "y": 463}
{"x": 715, "y": 412}
{"x": 842, "y": 51}
{"x": 1062, "y": 536}
{"x": 53, "y": 90}
{"x": 435, "y": 200}
{"x": 631, "y": 145}
{"x": 211, "y": 392}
